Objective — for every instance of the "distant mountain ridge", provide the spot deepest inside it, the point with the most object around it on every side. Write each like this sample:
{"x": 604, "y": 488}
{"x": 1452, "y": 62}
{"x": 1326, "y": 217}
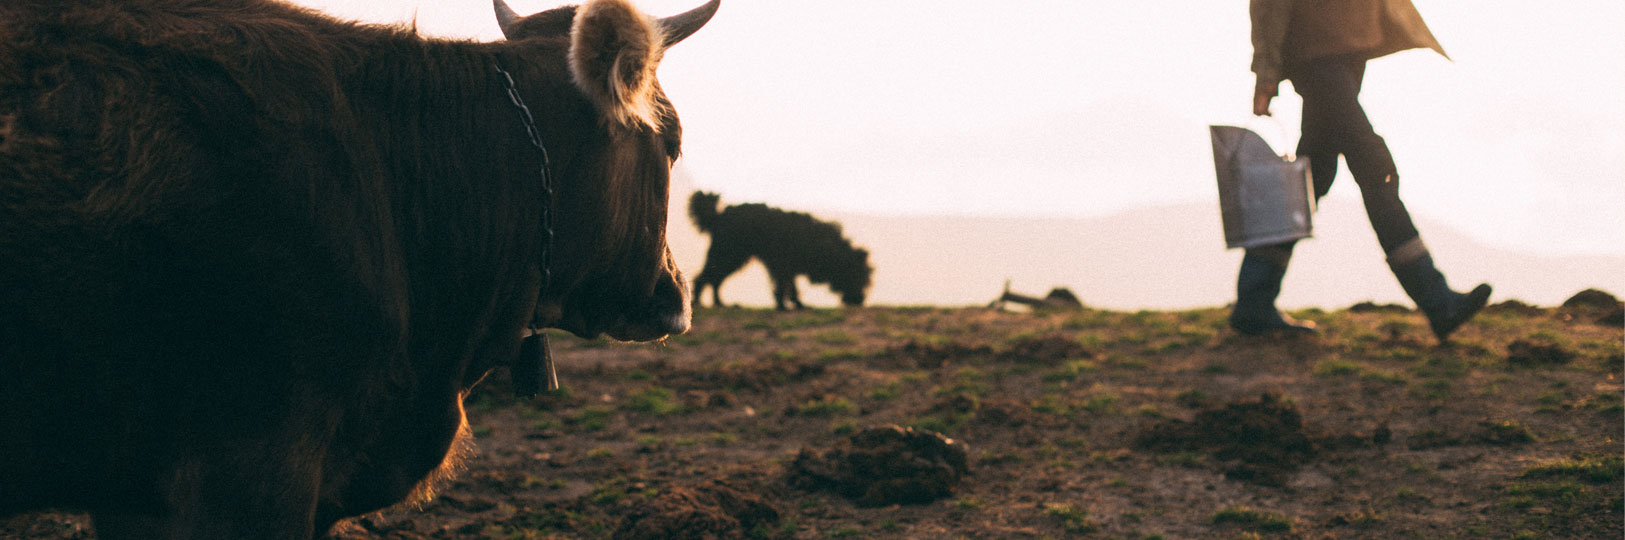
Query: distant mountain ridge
{"x": 1170, "y": 257}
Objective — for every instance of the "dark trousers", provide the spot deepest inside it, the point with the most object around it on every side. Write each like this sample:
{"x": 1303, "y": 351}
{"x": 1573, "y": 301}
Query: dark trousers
{"x": 1335, "y": 125}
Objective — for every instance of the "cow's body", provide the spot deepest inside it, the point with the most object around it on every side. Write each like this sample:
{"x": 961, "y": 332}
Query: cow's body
{"x": 252, "y": 258}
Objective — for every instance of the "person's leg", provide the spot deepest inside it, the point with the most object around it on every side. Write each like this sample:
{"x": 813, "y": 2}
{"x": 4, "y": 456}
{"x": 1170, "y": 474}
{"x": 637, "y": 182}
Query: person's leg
{"x": 1445, "y": 308}
{"x": 1331, "y": 97}
{"x": 1257, "y": 285}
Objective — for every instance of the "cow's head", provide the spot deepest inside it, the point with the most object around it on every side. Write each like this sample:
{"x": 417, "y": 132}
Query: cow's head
{"x": 612, "y": 270}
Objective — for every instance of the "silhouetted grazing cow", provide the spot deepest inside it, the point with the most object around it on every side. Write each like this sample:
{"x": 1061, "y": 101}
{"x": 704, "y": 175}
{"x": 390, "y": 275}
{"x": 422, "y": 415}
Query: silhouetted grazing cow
{"x": 788, "y": 244}
{"x": 252, "y": 258}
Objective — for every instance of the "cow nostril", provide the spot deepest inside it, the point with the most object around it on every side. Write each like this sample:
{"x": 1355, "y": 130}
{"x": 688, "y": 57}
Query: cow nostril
{"x": 680, "y": 322}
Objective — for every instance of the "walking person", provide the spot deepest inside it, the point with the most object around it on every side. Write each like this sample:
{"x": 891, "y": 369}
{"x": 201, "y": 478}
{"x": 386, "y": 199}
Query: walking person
{"x": 1322, "y": 47}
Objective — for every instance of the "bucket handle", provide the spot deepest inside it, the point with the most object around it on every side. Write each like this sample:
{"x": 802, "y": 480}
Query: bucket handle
{"x": 1290, "y": 153}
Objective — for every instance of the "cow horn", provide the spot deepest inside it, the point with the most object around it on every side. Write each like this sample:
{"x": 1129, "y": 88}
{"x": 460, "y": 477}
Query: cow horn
{"x": 505, "y": 16}
{"x": 680, "y": 26}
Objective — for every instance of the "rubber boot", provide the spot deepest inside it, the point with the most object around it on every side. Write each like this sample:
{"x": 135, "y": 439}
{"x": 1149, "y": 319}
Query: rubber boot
{"x": 1446, "y": 309}
{"x": 1257, "y": 285}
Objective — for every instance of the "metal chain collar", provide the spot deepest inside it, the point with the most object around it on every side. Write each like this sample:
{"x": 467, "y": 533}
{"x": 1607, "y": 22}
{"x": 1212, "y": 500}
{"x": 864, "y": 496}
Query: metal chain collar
{"x": 533, "y": 370}
{"x": 547, "y": 181}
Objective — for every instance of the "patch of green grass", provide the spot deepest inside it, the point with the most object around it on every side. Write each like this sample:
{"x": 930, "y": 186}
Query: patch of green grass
{"x": 967, "y": 380}
{"x": 1073, "y": 520}
{"x": 970, "y": 503}
{"x": 1194, "y": 398}
{"x": 1605, "y": 402}
{"x": 1098, "y": 403}
{"x": 839, "y": 354}
{"x": 722, "y": 438}
{"x": 1408, "y": 495}
{"x": 1563, "y": 491}
{"x": 1444, "y": 367}
{"x": 834, "y": 337}
{"x": 1050, "y": 404}
{"x": 1507, "y": 432}
{"x": 1069, "y": 371}
{"x": 590, "y": 418}
{"x": 1436, "y": 389}
{"x": 823, "y": 407}
{"x": 1336, "y": 367}
{"x": 1127, "y": 362}
{"x": 1090, "y": 319}
{"x": 654, "y": 400}
{"x": 1256, "y": 520}
{"x": 845, "y": 532}
{"x": 1383, "y": 376}
{"x": 1072, "y": 442}
{"x": 1594, "y": 470}
{"x": 887, "y": 391}
{"x": 600, "y": 453}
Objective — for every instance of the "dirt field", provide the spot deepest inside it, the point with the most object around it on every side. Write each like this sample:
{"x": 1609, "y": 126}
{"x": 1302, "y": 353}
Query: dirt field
{"x": 1091, "y": 424}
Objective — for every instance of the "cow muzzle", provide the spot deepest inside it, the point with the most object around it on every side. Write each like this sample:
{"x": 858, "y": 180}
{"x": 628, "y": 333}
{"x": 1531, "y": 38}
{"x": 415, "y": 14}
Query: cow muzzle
{"x": 664, "y": 313}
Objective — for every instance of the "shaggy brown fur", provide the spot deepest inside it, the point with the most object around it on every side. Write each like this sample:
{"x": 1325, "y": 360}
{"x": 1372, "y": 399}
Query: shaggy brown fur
{"x": 788, "y": 244}
{"x": 252, "y": 257}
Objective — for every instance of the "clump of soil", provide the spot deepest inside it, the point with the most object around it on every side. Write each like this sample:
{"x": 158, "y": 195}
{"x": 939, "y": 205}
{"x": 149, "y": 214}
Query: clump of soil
{"x": 1259, "y": 441}
{"x": 1595, "y": 301}
{"x": 1515, "y": 307}
{"x": 1592, "y": 298}
{"x": 1528, "y": 353}
{"x": 710, "y": 511}
{"x": 1045, "y": 350}
{"x": 915, "y": 354}
{"x": 1370, "y": 307}
{"x": 883, "y": 466}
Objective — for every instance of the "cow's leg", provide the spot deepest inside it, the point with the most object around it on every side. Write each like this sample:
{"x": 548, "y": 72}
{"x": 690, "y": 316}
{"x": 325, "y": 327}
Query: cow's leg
{"x": 719, "y": 264}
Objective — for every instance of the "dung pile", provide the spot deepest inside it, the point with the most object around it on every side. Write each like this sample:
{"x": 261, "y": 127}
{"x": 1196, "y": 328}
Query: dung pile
{"x": 1537, "y": 353}
{"x": 884, "y": 465}
{"x": 1261, "y": 441}
{"x": 711, "y": 511}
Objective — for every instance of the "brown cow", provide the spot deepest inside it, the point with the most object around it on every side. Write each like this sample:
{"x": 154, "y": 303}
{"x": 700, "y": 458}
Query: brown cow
{"x": 252, "y": 258}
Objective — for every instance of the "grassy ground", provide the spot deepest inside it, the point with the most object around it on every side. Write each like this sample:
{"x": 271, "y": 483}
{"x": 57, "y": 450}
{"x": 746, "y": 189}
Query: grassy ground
{"x": 1091, "y": 424}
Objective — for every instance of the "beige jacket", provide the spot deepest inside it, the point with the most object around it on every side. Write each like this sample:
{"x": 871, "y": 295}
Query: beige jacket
{"x": 1290, "y": 31}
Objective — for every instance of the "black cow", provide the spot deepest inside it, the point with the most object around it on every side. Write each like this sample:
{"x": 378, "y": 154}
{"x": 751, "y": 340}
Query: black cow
{"x": 252, "y": 258}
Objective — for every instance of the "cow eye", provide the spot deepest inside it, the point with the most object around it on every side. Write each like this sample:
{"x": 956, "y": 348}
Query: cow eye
{"x": 674, "y": 148}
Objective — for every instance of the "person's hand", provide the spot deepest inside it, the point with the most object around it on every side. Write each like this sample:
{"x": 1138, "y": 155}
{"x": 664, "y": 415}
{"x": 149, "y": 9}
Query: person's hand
{"x": 1263, "y": 92}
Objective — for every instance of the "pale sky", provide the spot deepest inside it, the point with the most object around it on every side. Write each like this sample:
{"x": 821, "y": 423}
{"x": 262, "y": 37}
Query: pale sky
{"x": 1073, "y": 108}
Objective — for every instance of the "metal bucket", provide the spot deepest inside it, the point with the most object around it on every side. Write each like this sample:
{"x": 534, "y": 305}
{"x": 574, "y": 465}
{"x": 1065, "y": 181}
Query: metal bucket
{"x": 1264, "y": 197}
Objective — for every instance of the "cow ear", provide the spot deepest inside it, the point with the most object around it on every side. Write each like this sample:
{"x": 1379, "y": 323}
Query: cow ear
{"x": 614, "y": 49}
